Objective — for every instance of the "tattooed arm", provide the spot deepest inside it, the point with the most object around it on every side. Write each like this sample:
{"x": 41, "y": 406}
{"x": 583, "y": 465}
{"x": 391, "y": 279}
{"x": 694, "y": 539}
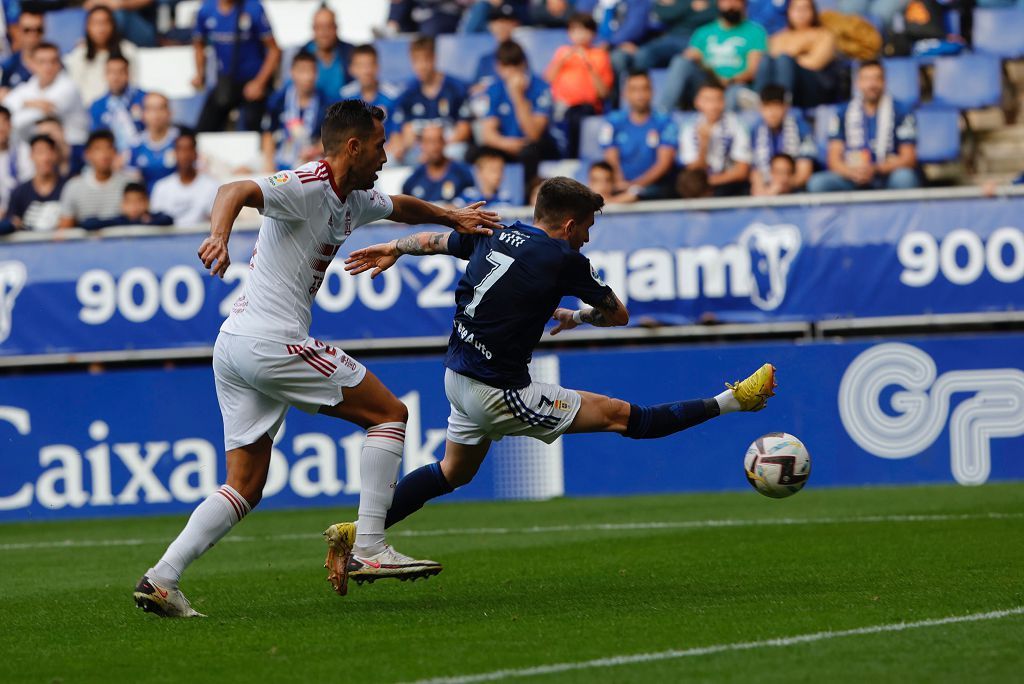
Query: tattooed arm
{"x": 610, "y": 312}
{"x": 380, "y": 258}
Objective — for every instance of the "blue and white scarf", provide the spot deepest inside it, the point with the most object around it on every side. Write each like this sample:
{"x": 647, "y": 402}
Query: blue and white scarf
{"x": 298, "y": 125}
{"x": 764, "y": 144}
{"x": 885, "y": 128}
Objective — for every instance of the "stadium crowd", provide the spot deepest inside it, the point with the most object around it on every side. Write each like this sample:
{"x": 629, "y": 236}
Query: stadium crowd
{"x": 655, "y": 98}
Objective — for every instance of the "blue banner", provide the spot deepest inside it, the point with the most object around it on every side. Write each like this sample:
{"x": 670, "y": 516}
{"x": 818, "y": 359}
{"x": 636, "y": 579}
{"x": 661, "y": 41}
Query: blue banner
{"x": 740, "y": 265}
{"x": 900, "y": 411}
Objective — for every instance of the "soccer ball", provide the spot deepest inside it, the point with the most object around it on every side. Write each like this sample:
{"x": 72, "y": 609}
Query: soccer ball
{"x": 777, "y": 465}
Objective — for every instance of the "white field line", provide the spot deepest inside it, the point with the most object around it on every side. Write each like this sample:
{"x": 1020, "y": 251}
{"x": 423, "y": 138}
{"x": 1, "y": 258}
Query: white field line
{"x": 547, "y": 529}
{"x": 780, "y": 642}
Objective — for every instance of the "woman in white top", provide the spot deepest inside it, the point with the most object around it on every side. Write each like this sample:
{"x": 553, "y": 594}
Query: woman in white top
{"x": 87, "y": 62}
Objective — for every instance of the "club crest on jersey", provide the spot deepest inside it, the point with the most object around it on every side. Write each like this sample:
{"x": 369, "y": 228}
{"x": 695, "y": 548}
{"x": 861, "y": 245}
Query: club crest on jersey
{"x": 653, "y": 138}
{"x": 278, "y": 179}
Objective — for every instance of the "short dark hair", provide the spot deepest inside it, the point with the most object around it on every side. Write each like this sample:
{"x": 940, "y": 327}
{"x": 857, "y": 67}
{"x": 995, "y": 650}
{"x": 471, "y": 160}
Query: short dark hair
{"x": 46, "y": 46}
{"x": 510, "y": 53}
{"x": 119, "y": 58}
{"x": 785, "y": 157}
{"x": 638, "y": 73}
{"x": 137, "y": 188}
{"x": 562, "y": 198}
{"x": 5, "y": 112}
{"x": 711, "y": 84}
{"x": 302, "y": 56}
{"x": 583, "y": 19}
{"x": 42, "y": 138}
{"x": 366, "y": 49}
{"x": 488, "y": 153}
{"x": 693, "y": 184}
{"x": 870, "y": 63}
{"x": 422, "y": 44}
{"x": 188, "y": 134}
{"x": 602, "y": 165}
{"x": 773, "y": 92}
{"x": 97, "y": 136}
{"x": 346, "y": 119}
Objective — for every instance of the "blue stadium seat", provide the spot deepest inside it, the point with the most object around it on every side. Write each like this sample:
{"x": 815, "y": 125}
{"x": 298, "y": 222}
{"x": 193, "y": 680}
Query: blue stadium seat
{"x": 822, "y": 115}
{"x": 590, "y": 134}
{"x": 969, "y": 81}
{"x": 540, "y": 45}
{"x": 903, "y": 80}
{"x": 64, "y": 28}
{"x": 938, "y": 134}
{"x": 1000, "y": 31}
{"x": 393, "y": 55}
{"x": 185, "y": 110}
{"x": 514, "y": 182}
{"x": 459, "y": 53}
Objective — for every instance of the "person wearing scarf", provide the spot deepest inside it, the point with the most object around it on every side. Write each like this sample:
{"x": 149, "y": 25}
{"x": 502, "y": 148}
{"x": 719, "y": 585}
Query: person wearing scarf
{"x": 872, "y": 141}
{"x": 780, "y": 131}
{"x": 717, "y": 143}
{"x": 120, "y": 109}
{"x": 291, "y": 127}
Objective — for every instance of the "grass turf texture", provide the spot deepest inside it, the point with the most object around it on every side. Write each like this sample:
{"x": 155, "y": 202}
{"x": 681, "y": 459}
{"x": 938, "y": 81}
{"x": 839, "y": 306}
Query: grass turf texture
{"x": 523, "y": 599}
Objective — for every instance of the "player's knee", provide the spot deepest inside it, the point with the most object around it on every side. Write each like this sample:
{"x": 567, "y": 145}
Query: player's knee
{"x": 396, "y": 412}
{"x": 616, "y": 415}
{"x": 458, "y": 473}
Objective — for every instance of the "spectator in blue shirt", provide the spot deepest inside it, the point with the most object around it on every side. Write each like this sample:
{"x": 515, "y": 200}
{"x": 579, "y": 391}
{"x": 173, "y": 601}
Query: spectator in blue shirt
{"x": 366, "y": 85}
{"x": 503, "y": 21}
{"x": 154, "y": 156}
{"x": 489, "y": 173}
{"x": 482, "y": 12}
{"x": 120, "y": 109}
{"x": 872, "y": 140}
{"x": 551, "y": 13}
{"x": 678, "y": 20}
{"x": 29, "y": 33}
{"x": 430, "y": 98}
{"x": 291, "y": 127}
{"x": 437, "y": 178}
{"x": 640, "y": 144}
{"x": 426, "y": 17}
{"x": 519, "y": 112}
{"x": 332, "y": 54}
{"x": 618, "y": 21}
{"x": 247, "y": 57}
{"x": 780, "y": 131}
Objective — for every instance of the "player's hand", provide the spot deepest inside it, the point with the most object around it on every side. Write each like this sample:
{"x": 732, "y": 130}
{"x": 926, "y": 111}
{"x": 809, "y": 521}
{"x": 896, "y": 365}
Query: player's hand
{"x": 214, "y": 250}
{"x": 377, "y": 257}
{"x": 565, "y": 320}
{"x": 473, "y": 219}
{"x": 254, "y": 90}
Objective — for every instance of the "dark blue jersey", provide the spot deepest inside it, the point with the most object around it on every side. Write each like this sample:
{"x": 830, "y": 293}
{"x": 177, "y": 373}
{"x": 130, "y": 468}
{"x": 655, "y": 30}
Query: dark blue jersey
{"x": 515, "y": 280}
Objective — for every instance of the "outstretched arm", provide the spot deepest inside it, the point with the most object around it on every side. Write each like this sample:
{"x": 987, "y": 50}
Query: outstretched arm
{"x": 231, "y": 197}
{"x": 469, "y": 219}
{"x": 383, "y": 256}
{"x": 610, "y": 312}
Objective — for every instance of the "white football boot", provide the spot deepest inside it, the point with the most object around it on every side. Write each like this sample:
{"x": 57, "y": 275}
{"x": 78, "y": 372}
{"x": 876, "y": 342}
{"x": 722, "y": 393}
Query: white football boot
{"x": 390, "y": 564}
{"x": 152, "y": 597}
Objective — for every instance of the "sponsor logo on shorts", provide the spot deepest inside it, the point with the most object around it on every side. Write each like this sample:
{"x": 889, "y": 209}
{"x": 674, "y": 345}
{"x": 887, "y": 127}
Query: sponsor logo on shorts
{"x": 278, "y": 179}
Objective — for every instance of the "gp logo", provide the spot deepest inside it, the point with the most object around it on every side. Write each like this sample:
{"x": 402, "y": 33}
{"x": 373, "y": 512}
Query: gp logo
{"x": 12, "y": 278}
{"x": 920, "y": 408}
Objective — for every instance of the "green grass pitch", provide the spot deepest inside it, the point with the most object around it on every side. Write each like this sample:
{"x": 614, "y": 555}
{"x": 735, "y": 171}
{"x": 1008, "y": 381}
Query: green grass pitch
{"x": 533, "y": 584}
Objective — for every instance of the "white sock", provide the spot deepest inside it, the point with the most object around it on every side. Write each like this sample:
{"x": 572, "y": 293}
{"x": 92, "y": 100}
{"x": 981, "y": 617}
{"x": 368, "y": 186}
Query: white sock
{"x": 378, "y": 475}
{"x": 727, "y": 402}
{"x": 211, "y": 520}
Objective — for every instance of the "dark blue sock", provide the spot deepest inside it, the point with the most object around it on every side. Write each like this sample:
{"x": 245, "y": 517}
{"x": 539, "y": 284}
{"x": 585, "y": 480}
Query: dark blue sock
{"x": 650, "y": 422}
{"x": 416, "y": 489}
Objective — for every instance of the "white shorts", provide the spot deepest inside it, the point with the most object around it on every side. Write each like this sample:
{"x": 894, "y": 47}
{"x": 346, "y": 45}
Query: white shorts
{"x": 480, "y": 411}
{"x": 257, "y": 380}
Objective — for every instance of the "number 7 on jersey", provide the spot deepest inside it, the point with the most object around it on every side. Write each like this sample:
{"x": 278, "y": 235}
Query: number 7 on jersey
{"x": 502, "y": 262}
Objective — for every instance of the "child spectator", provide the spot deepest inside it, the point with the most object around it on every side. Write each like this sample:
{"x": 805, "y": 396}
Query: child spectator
{"x": 581, "y": 78}
{"x": 187, "y": 195}
{"x": 717, "y": 143}
{"x": 291, "y": 127}
{"x": 872, "y": 140}
{"x": 783, "y": 176}
{"x": 332, "y": 54}
{"x": 134, "y": 211}
{"x": 97, "y": 192}
{"x": 247, "y": 59}
{"x": 801, "y": 58}
{"x": 70, "y": 160}
{"x": 693, "y": 184}
{"x": 780, "y": 131}
{"x": 601, "y": 179}
{"x": 519, "y": 112}
{"x": 640, "y": 144}
{"x": 366, "y": 85}
{"x": 730, "y": 48}
{"x": 29, "y": 31}
{"x": 502, "y": 21}
{"x": 50, "y": 92}
{"x": 153, "y": 156}
{"x": 87, "y": 62}
{"x": 35, "y": 204}
{"x": 489, "y": 172}
{"x": 437, "y": 178}
{"x": 120, "y": 109}
{"x": 430, "y": 98}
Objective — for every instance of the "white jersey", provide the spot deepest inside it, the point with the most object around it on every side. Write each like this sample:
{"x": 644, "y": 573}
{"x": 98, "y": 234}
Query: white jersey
{"x": 304, "y": 225}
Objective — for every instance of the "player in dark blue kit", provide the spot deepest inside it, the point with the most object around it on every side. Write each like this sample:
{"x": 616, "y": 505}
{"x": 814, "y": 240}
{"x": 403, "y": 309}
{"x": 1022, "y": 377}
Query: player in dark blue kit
{"x": 513, "y": 284}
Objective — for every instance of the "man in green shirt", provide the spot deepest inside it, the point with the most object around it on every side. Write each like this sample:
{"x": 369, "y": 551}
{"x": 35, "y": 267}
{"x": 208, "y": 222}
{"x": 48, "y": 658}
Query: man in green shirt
{"x": 728, "y": 48}
{"x": 678, "y": 19}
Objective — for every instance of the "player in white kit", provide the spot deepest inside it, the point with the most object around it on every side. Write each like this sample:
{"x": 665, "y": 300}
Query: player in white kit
{"x": 265, "y": 361}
